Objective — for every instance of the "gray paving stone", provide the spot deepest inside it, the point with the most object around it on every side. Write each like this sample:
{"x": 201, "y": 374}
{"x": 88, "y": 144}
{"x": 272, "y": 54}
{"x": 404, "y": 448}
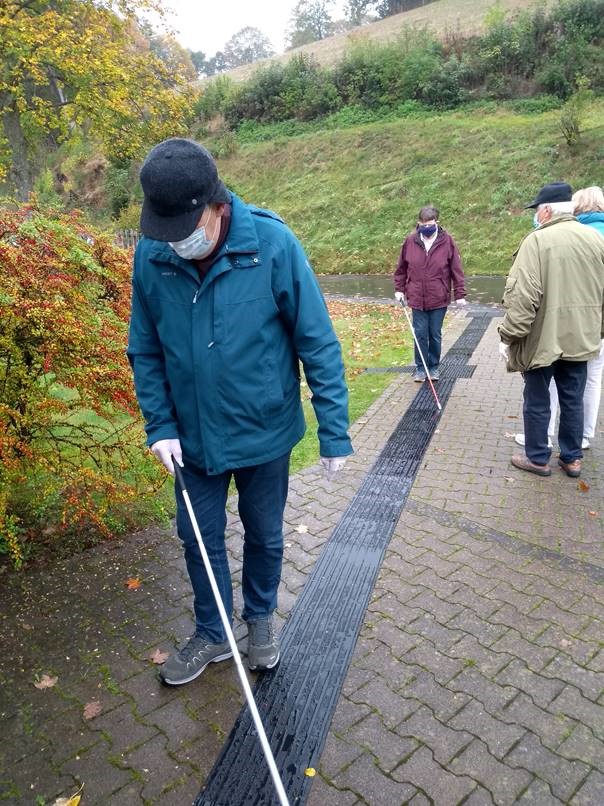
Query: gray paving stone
{"x": 392, "y": 707}
{"x": 539, "y": 793}
{"x": 582, "y": 744}
{"x": 591, "y": 791}
{"x": 571, "y": 703}
{"x": 338, "y": 754}
{"x": 423, "y": 772}
{"x": 541, "y": 689}
{"x": 388, "y": 747}
{"x": 442, "y": 741}
{"x": 323, "y": 793}
{"x": 497, "y": 735}
{"x": 366, "y": 779}
{"x": 563, "y": 776}
{"x": 552, "y": 728}
{"x": 504, "y": 783}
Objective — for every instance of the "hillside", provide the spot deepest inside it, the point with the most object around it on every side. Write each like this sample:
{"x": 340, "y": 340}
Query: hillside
{"x": 352, "y": 194}
{"x": 442, "y": 16}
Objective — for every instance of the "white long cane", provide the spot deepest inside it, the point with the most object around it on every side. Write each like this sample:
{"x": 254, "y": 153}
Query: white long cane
{"x": 421, "y": 355}
{"x": 231, "y": 638}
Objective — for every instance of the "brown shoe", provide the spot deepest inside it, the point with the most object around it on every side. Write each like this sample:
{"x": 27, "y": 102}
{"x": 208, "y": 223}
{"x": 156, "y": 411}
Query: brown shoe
{"x": 572, "y": 469}
{"x": 524, "y": 463}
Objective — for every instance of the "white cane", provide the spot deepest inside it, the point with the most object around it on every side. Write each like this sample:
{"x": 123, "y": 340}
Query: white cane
{"x": 421, "y": 355}
{"x": 231, "y": 638}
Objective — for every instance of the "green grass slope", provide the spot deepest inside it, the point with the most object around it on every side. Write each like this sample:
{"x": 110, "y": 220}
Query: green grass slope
{"x": 352, "y": 194}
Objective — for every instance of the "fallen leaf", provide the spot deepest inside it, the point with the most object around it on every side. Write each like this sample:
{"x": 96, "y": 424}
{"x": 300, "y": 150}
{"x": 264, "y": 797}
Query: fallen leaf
{"x": 593, "y": 513}
{"x": 92, "y": 709}
{"x": 74, "y": 800}
{"x": 583, "y": 486}
{"x": 46, "y": 681}
{"x": 302, "y": 528}
{"x": 133, "y": 583}
{"x": 512, "y": 417}
{"x": 310, "y": 771}
{"x": 510, "y": 479}
{"x": 564, "y": 642}
{"x": 159, "y": 657}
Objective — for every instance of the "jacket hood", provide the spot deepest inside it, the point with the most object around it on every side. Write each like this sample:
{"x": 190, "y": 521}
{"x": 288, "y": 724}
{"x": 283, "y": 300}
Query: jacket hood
{"x": 590, "y": 218}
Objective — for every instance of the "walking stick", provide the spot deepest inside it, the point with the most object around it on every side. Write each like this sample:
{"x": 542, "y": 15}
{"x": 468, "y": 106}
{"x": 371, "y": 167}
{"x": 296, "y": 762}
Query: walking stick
{"x": 231, "y": 638}
{"x": 421, "y": 355}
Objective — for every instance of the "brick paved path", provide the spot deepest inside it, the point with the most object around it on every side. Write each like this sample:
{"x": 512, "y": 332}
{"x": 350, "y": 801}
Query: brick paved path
{"x": 477, "y": 677}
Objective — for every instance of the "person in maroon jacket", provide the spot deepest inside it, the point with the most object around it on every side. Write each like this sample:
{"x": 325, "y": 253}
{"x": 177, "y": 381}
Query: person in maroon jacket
{"x": 428, "y": 265}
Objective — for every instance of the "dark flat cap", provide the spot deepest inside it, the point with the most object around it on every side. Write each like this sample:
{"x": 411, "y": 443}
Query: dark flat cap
{"x": 179, "y": 177}
{"x": 554, "y": 192}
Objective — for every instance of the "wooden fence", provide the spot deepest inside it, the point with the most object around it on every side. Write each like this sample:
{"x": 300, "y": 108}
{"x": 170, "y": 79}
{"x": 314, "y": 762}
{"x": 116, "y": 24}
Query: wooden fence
{"x": 127, "y": 238}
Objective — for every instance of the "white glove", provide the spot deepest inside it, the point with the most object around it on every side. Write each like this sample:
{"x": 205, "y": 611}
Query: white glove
{"x": 400, "y": 297}
{"x": 165, "y": 449}
{"x": 504, "y": 352}
{"x": 460, "y": 302}
{"x": 333, "y": 464}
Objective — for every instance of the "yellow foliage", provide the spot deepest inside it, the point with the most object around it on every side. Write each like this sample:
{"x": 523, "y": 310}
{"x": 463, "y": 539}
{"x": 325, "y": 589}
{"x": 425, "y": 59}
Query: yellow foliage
{"x": 79, "y": 62}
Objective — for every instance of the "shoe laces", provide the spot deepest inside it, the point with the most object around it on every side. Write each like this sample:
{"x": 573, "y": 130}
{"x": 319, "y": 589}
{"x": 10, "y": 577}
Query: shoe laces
{"x": 194, "y": 645}
{"x": 261, "y": 631}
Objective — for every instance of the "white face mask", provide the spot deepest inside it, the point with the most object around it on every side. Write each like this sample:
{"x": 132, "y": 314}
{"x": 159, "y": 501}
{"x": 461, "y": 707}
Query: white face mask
{"x": 196, "y": 246}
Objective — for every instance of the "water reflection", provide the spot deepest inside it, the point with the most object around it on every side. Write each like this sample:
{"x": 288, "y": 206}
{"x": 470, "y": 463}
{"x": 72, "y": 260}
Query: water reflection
{"x": 485, "y": 290}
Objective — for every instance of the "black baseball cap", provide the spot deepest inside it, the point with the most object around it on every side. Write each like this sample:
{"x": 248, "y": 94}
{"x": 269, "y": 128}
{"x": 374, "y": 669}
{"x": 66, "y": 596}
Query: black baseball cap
{"x": 554, "y": 192}
{"x": 179, "y": 177}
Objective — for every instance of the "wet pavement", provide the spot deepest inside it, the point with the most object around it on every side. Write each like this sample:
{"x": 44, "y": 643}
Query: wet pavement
{"x": 477, "y": 676}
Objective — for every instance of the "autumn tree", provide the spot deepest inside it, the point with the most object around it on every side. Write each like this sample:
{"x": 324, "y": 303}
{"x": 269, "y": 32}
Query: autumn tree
{"x": 69, "y": 63}
{"x": 310, "y": 21}
{"x": 246, "y": 46}
{"x": 70, "y": 435}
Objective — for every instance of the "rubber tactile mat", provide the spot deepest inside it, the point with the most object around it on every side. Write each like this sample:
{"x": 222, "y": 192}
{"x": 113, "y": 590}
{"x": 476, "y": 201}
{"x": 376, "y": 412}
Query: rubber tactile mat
{"x": 296, "y": 701}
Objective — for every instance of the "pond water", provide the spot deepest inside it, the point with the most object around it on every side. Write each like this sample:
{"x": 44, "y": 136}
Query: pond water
{"x": 485, "y": 290}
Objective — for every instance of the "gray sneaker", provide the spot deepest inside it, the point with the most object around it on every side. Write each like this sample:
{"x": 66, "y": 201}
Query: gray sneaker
{"x": 434, "y": 374}
{"x": 419, "y": 376}
{"x": 190, "y": 661}
{"x": 263, "y": 645}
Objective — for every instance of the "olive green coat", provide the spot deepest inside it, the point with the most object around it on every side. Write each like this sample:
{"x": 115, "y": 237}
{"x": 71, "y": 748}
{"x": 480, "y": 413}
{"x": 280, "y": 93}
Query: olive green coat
{"x": 554, "y": 296}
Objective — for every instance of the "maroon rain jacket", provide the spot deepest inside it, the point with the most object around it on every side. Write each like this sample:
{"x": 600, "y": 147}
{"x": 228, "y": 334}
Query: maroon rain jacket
{"x": 425, "y": 278}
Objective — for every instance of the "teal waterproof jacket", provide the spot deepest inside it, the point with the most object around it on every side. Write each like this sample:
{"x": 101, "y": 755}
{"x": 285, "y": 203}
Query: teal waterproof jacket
{"x": 216, "y": 363}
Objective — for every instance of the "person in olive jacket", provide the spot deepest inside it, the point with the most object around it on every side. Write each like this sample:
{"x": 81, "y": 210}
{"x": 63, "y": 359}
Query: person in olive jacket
{"x": 428, "y": 265}
{"x": 224, "y": 307}
{"x": 553, "y": 325}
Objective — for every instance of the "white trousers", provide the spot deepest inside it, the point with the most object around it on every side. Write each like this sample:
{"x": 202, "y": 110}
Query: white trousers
{"x": 591, "y": 397}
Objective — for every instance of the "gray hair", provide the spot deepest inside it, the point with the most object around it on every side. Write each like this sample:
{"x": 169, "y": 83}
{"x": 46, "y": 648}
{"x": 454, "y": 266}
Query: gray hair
{"x": 428, "y": 213}
{"x": 559, "y": 208}
{"x": 589, "y": 200}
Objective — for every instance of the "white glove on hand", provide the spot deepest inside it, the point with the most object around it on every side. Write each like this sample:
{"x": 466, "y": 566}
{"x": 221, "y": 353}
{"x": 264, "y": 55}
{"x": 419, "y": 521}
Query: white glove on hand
{"x": 400, "y": 297}
{"x": 460, "y": 302}
{"x": 333, "y": 464}
{"x": 165, "y": 449}
{"x": 504, "y": 352}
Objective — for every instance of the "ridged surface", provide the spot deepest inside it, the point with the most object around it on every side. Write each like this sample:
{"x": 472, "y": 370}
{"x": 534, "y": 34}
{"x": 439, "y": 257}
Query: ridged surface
{"x": 297, "y": 700}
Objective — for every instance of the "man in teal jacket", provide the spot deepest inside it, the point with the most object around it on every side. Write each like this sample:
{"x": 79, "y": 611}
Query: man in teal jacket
{"x": 225, "y": 306}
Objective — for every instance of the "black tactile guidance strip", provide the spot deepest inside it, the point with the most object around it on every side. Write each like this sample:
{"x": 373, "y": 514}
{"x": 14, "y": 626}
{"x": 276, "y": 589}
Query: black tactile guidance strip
{"x": 296, "y": 701}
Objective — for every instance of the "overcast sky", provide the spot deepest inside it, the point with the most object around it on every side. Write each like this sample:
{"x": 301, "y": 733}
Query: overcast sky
{"x": 204, "y": 25}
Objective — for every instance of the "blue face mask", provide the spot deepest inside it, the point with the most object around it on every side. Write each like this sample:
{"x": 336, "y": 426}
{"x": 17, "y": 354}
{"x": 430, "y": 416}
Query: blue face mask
{"x": 428, "y": 231}
{"x": 536, "y": 223}
{"x": 196, "y": 246}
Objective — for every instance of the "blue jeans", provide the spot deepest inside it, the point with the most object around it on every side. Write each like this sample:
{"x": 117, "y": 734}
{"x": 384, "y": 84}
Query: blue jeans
{"x": 262, "y": 494}
{"x": 570, "y": 377}
{"x": 428, "y": 327}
